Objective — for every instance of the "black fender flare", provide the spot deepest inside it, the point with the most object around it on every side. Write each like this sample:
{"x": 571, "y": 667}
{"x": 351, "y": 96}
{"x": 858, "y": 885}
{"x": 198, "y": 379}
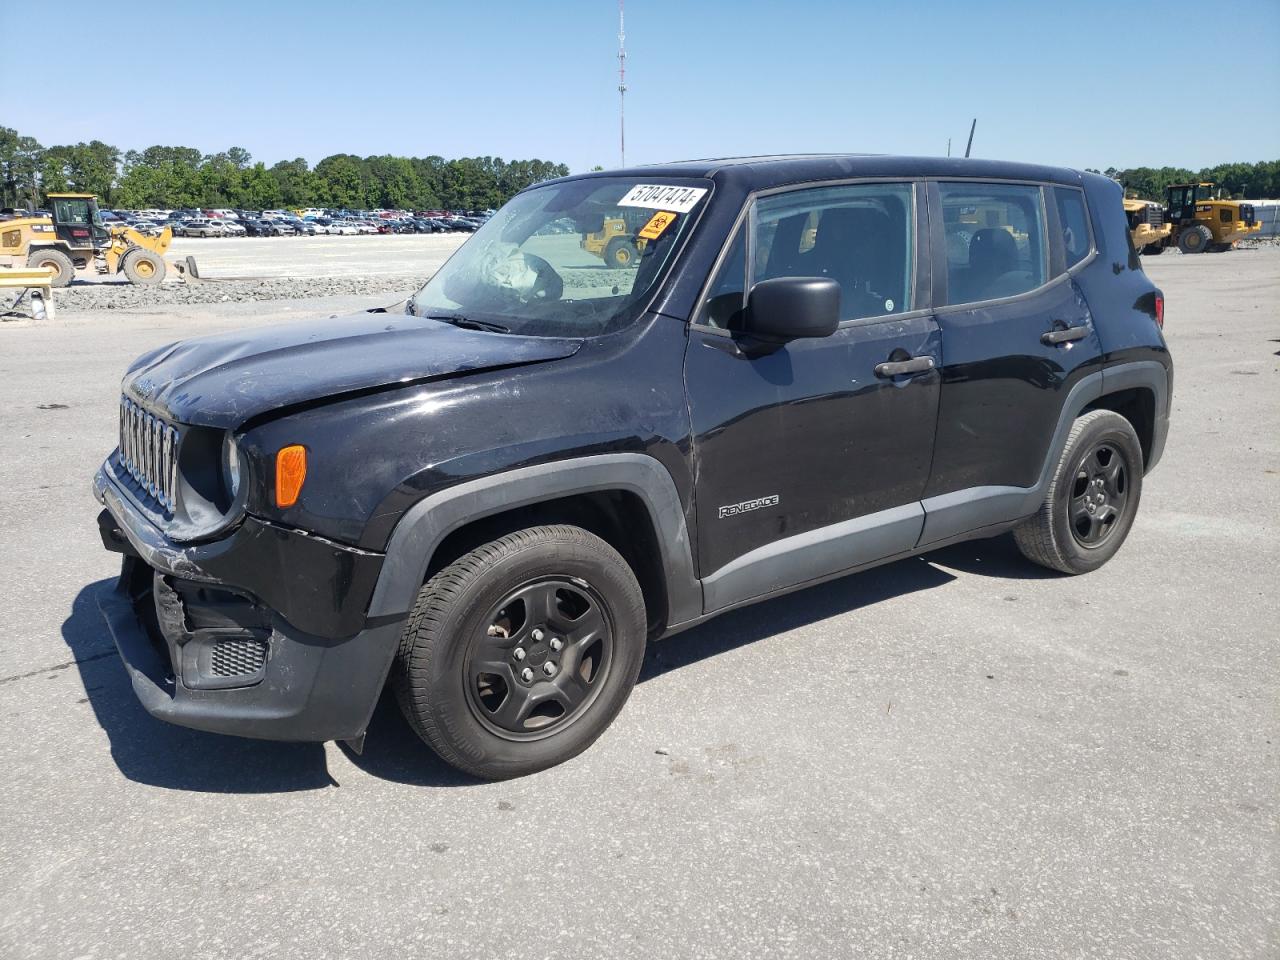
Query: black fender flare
{"x": 424, "y": 525}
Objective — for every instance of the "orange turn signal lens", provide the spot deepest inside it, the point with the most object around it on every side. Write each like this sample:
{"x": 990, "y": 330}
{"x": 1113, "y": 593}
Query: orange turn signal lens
{"x": 291, "y": 471}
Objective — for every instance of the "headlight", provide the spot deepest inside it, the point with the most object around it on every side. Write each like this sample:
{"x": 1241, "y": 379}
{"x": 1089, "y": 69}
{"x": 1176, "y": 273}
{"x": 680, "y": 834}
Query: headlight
{"x": 231, "y": 469}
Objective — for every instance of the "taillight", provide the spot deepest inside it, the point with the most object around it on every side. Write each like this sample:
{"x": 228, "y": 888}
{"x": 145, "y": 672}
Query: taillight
{"x": 1160, "y": 310}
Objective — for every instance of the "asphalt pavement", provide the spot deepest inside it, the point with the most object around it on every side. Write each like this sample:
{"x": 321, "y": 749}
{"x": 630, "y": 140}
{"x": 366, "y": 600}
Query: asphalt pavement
{"x": 956, "y": 756}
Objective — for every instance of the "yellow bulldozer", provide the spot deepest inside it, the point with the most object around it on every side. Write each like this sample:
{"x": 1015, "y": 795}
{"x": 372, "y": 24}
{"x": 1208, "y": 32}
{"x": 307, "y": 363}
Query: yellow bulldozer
{"x": 74, "y": 237}
{"x": 1200, "y": 221}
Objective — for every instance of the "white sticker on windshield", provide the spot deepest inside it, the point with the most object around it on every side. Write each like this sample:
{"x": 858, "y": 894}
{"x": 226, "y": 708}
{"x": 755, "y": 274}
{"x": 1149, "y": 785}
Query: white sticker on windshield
{"x": 657, "y": 196}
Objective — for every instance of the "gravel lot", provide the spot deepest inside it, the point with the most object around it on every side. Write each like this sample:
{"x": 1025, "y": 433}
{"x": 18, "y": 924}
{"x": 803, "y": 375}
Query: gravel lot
{"x": 956, "y": 756}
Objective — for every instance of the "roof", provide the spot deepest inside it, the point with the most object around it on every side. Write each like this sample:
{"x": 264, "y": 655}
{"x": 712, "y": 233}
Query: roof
{"x": 760, "y": 173}
{"x": 72, "y": 196}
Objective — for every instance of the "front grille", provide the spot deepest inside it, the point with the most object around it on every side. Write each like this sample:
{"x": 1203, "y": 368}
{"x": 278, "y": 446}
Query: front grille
{"x": 1155, "y": 216}
{"x": 237, "y": 658}
{"x": 1247, "y": 214}
{"x": 149, "y": 452}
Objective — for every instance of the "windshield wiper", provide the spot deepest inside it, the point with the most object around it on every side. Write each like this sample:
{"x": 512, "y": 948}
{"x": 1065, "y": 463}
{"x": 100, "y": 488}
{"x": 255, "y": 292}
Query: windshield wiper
{"x": 467, "y": 323}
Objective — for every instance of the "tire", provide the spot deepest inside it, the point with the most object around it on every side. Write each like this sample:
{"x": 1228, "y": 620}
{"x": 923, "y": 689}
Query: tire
{"x": 52, "y": 257}
{"x": 1060, "y": 535}
{"x": 1195, "y": 239}
{"x": 143, "y": 267}
{"x": 473, "y": 614}
{"x": 1153, "y": 249}
{"x": 620, "y": 253}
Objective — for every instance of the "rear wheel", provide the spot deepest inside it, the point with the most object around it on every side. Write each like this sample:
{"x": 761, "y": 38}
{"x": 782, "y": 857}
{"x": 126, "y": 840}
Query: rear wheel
{"x": 64, "y": 269}
{"x": 1092, "y": 499}
{"x": 143, "y": 267}
{"x": 519, "y": 654}
{"x": 1195, "y": 239}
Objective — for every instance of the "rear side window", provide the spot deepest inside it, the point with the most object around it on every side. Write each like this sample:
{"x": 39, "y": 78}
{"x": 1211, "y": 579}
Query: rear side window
{"x": 995, "y": 240}
{"x": 860, "y": 235}
{"x": 1074, "y": 221}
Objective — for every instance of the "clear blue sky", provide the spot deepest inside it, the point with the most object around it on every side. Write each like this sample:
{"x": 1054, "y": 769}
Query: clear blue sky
{"x": 1076, "y": 84}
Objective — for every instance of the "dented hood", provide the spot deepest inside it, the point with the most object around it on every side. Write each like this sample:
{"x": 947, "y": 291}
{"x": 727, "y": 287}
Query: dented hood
{"x": 226, "y": 379}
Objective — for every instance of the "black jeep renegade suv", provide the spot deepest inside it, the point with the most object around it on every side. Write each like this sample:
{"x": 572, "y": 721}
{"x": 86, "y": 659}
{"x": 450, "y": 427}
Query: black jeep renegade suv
{"x": 631, "y": 401}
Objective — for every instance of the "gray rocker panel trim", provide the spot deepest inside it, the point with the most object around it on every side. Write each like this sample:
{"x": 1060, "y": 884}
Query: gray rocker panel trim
{"x": 813, "y": 555}
{"x": 429, "y": 521}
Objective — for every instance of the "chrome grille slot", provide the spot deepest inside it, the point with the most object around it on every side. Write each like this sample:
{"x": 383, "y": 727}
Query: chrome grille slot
{"x": 149, "y": 453}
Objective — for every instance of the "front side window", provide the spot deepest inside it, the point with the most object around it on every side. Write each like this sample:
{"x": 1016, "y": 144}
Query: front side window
{"x": 860, "y": 235}
{"x": 1074, "y": 221}
{"x": 995, "y": 240}
{"x": 575, "y": 258}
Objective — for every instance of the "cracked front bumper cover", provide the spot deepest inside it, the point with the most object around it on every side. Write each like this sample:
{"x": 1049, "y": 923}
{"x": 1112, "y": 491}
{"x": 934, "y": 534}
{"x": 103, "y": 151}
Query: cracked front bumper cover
{"x": 312, "y": 687}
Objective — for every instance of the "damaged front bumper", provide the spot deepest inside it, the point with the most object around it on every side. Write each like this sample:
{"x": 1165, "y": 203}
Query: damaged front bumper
{"x": 262, "y": 634}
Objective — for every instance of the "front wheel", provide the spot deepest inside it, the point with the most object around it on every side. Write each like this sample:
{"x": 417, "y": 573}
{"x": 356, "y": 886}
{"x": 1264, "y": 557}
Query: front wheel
{"x": 1092, "y": 499}
{"x": 143, "y": 267}
{"x": 519, "y": 654}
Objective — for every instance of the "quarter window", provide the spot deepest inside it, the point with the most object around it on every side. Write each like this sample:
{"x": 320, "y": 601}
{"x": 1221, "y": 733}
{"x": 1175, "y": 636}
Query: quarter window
{"x": 859, "y": 235}
{"x": 995, "y": 240}
{"x": 1074, "y": 220}
{"x": 727, "y": 296}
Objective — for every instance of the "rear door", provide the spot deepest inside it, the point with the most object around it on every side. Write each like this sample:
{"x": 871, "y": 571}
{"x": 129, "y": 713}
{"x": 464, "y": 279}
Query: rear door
{"x": 812, "y": 457}
{"x": 1017, "y": 335}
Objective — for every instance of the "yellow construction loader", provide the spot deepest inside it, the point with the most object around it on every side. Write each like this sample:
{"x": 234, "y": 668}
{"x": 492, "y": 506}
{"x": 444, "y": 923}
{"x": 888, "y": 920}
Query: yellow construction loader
{"x": 74, "y": 237}
{"x": 1203, "y": 222}
{"x": 615, "y": 243}
{"x": 1146, "y": 224}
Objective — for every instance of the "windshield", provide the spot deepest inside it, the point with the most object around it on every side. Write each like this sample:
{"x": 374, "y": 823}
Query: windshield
{"x": 568, "y": 259}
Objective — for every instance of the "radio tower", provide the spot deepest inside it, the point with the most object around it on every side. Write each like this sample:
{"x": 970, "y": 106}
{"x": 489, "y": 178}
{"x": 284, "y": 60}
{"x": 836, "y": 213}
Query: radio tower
{"x": 622, "y": 84}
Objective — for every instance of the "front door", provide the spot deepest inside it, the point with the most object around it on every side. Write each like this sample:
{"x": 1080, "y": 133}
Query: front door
{"x": 811, "y": 458}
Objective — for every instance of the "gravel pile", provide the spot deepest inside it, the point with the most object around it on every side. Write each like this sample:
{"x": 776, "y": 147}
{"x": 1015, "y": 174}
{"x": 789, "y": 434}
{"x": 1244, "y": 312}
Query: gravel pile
{"x": 126, "y": 296}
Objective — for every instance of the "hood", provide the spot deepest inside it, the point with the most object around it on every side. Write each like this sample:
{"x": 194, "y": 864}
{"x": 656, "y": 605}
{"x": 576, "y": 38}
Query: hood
{"x": 227, "y": 379}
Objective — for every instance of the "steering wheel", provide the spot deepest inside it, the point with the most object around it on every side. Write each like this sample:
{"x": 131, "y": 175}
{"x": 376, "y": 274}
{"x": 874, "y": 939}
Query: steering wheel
{"x": 548, "y": 285}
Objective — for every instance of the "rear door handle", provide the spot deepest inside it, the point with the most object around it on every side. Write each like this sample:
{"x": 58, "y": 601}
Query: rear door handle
{"x": 1064, "y": 336}
{"x": 895, "y": 368}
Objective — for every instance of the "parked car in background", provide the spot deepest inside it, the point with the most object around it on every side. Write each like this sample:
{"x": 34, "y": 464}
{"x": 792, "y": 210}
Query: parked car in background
{"x": 342, "y": 228}
{"x": 232, "y": 228}
{"x": 257, "y": 228}
{"x": 199, "y": 228}
{"x": 303, "y": 228}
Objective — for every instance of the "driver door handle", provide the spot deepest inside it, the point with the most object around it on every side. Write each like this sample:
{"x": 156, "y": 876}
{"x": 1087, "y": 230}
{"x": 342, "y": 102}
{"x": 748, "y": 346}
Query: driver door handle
{"x": 895, "y": 368}
{"x": 1054, "y": 337}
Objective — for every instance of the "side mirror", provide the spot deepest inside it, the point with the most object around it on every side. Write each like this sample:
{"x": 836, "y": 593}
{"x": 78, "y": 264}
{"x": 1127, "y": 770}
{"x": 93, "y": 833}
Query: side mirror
{"x": 788, "y": 308}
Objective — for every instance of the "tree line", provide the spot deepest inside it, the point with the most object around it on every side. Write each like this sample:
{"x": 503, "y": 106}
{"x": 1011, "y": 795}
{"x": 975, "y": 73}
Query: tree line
{"x": 1243, "y": 181}
{"x": 177, "y": 177}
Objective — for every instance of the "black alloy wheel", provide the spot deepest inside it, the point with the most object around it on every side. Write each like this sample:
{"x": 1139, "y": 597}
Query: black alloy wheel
{"x": 545, "y": 653}
{"x": 1099, "y": 495}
